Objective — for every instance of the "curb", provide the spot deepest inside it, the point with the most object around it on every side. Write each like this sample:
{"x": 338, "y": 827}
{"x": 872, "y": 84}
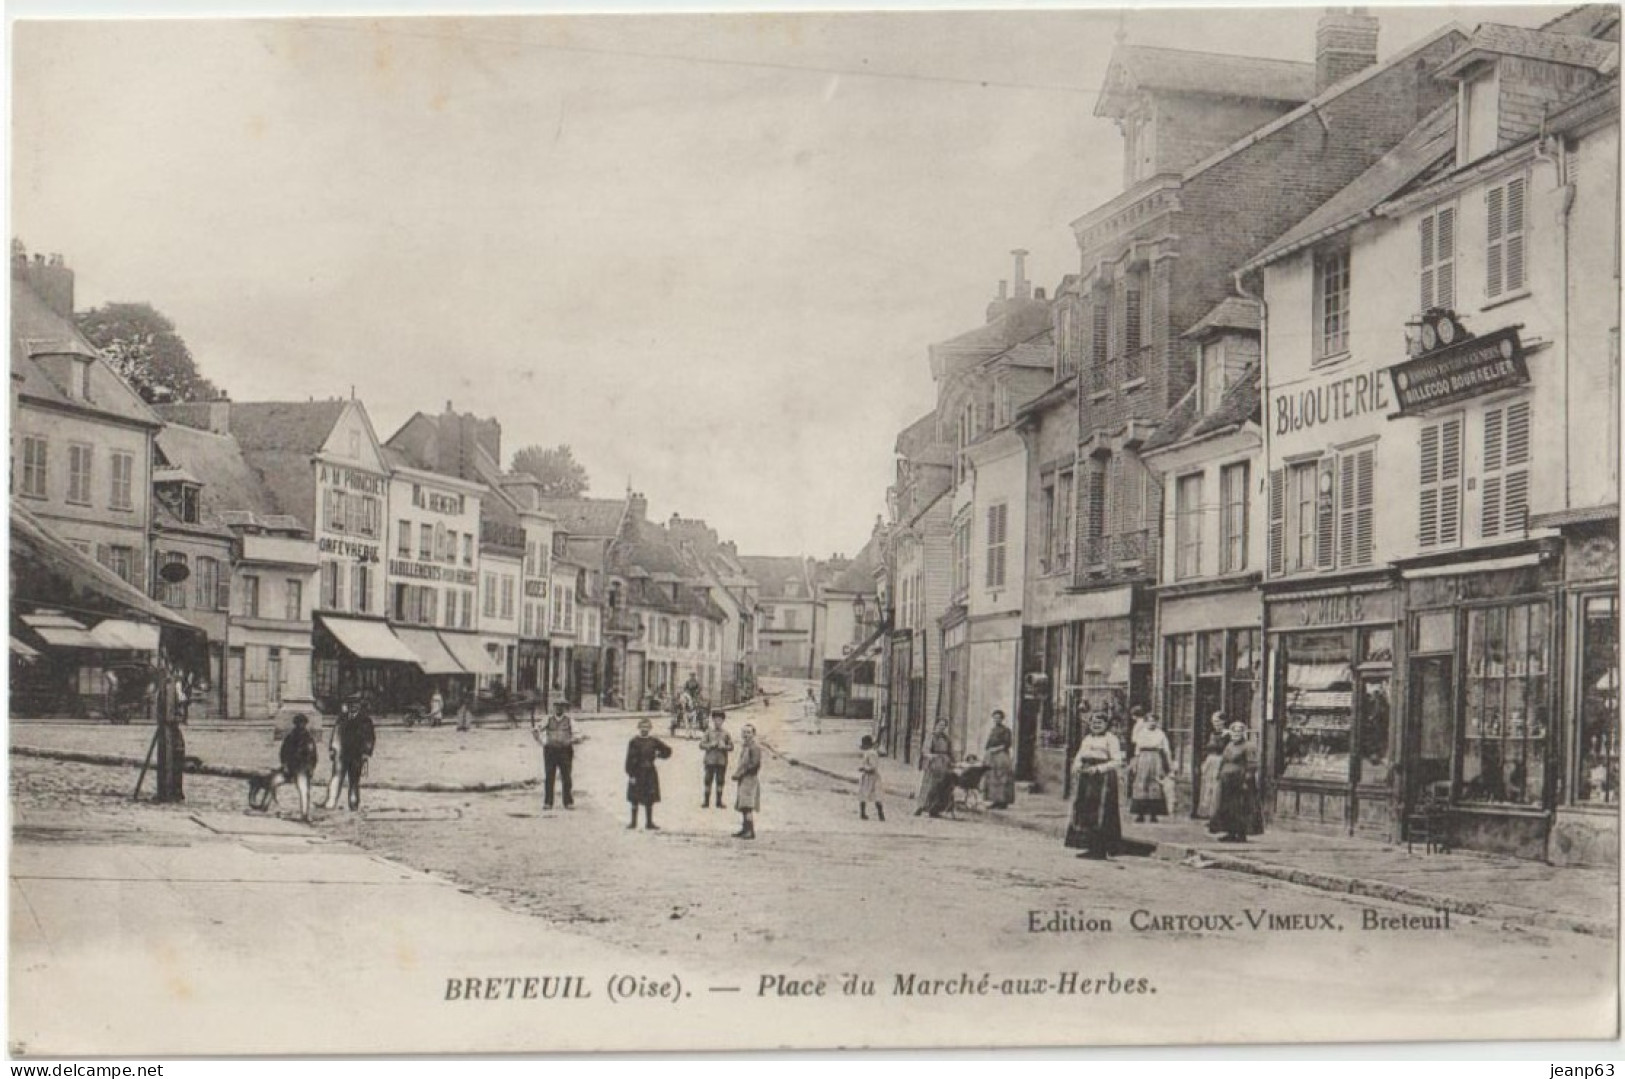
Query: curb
{"x": 1181, "y": 853}
{"x": 223, "y": 772}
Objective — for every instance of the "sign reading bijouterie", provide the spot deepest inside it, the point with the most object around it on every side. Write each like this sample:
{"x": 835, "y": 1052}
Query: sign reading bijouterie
{"x": 428, "y": 571}
{"x": 361, "y": 552}
{"x": 1339, "y": 399}
{"x": 1476, "y": 366}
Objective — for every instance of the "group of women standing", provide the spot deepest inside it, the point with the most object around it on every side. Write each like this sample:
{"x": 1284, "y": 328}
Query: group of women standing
{"x": 937, "y": 779}
{"x": 1228, "y": 784}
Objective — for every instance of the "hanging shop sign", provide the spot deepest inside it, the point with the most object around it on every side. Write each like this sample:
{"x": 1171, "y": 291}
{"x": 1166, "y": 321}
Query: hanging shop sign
{"x": 1456, "y": 372}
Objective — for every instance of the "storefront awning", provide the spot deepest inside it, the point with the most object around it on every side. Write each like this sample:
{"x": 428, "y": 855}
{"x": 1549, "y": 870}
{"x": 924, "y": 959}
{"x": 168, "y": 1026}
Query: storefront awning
{"x": 471, "y": 653}
{"x": 23, "y": 651}
{"x": 431, "y": 653}
{"x": 47, "y": 571}
{"x": 369, "y": 640}
{"x": 60, "y": 631}
{"x": 120, "y": 635}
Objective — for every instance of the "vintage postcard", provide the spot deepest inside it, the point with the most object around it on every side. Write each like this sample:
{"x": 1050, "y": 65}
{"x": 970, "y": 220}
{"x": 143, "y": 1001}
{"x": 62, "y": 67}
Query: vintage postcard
{"x": 638, "y": 532}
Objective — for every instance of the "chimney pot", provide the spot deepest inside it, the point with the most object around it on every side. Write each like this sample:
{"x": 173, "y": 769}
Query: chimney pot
{"x": 1038, "y": 294}
{"x": 1023, "y": 288}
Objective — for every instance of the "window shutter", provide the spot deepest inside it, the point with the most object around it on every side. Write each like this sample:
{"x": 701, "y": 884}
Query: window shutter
{"x": 1444, "y": 288}
{"x": 1277, "y": 530}
{"x": 1325, "y": 518}
{"x": 1426, "y": 226}
{"x": 1495, "y": 200}
{"x": 1131, "y": 320}
{"x": 1365, "y": 506}
{"x": 1450, "y": 482}
{"x": 1489, "y": 522}
{"x": 1100, "y": 337}
{"x": 1514, "y": 235}
{"x": 1345, "y": 509}
{"x": 222, "y": 590}
{"x": 1515, "y": 491}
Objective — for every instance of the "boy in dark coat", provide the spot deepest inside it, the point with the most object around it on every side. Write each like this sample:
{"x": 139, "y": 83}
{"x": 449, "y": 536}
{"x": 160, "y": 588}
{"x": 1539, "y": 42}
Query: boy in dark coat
{"x": 298, "y": 763}
{"x": 642, "y": 780}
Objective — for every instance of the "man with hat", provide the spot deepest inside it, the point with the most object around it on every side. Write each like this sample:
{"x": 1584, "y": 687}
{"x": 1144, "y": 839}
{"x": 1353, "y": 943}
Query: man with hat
{"x": 298, "y": 763}
{"x": 558, "y": 741}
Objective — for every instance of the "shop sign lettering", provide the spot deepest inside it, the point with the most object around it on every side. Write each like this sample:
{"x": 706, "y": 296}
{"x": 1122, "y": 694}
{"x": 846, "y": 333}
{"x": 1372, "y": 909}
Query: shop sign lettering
{"x": 428, "y": 571}
{"x": 1340, "y": 609}
{"x": 1330, "y": 403}
{"x": 361, "y": 552}
{"x": 349, "y": 478}
{"x": 536, "y": 589}
{"x": 436, "y": 502}
{"x": 1332, "y": 610}
{"x": 1477, "y": 366}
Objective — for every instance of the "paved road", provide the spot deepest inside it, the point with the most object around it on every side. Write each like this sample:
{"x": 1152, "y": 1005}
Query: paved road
{"x": 1153, "y": 950}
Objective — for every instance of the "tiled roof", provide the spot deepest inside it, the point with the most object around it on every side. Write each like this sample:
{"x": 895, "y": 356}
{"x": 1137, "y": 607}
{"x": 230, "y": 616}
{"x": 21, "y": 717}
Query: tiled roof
{"x": 859, "y": 574}
{"x": 1231, "y": 313}
{"x": 600, "y": 517}
{"x": 770, "y": 572}
{"x": 284, "y": 426}
{"x": 216, "y": 462}
{"x": 1424, "y": 146}
{"x": 1183, "y": 71}
{"x": 1588, "y": 20}
{"x": 1571, "y": 49}
{"x": 1037, "y": 351}
{"x": 37, "y": 330}
{"x": 1062, "y": 391}
{"x": 1241, "y": 402}
{"x": 917, "y": 435}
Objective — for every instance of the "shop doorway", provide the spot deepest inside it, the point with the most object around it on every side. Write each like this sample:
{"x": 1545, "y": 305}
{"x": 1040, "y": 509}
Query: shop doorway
{"x": 1433, "y": 703}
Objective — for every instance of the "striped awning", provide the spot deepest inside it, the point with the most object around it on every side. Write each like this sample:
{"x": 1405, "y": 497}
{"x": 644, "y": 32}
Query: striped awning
{"x": 471, "y": 653}
{"x": 431, "y": 652}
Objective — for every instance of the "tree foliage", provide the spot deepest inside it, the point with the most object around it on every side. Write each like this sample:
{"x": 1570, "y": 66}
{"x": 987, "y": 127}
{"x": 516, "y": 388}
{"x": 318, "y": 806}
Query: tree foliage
{"x": 561, "y": 474}
{"x": 141, "y": 344}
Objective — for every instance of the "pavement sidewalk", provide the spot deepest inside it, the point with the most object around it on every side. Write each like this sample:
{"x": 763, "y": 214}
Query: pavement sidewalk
{"x": 1573, "y": 898}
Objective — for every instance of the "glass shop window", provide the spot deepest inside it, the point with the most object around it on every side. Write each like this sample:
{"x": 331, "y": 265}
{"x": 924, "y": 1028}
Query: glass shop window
{"x": 1504, "y": 744}
{"x": 1598, "y": 736}
{"x": 1318, "y": 730}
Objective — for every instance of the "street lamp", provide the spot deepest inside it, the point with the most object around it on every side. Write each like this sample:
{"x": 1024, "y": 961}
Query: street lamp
{"x": 860, "y": 610}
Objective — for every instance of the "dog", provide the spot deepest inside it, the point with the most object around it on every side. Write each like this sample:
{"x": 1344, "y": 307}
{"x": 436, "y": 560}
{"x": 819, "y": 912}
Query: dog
{"x": 262, "y": 792}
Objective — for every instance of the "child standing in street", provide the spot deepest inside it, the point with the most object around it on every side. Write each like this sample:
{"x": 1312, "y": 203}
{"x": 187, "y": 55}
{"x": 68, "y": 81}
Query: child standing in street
{"x": 642, "y": 778}
{"x": 747, "y": 784}
{"x": 717, "y": 744}
{"x": 298, "y": 763}
{"x": 869, "y": 780}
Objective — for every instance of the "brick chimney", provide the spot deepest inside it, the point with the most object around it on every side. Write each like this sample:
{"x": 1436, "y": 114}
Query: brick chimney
{"x": 50, "y": 279}
{"x": 1345, "y": 43}
{"x": 637, "y": 507}
{"x": 1023, "y": 286}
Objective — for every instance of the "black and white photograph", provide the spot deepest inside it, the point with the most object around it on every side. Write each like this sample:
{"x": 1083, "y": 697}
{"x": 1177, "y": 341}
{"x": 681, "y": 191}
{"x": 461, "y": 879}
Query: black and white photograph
{"x": 713, "y": 531}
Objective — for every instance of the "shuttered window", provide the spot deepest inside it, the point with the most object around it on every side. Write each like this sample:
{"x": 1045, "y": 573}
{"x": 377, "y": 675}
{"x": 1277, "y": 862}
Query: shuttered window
{"x": 998, "y": 521}
{"x": 1505, "y": 503}
{"x": 1439, "y": 508}
{"x": 1325, "y": 515}
{"x": 1503, "y": 261}
{"x": 1276, "y": 541}
{"x": 1356, "y": 506}
{"x": 1438, "y": 278}
{"x": 1100, "y": 339}
{"x": 1132, "y": 318}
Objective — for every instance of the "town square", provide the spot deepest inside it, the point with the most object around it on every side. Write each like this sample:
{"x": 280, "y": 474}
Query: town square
{"x": 936, "y": 530}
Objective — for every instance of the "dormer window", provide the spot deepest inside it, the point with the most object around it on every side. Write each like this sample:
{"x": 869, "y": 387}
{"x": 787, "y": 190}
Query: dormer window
{"x": 1478, "y": 123}
{"x": 189, "y": 503}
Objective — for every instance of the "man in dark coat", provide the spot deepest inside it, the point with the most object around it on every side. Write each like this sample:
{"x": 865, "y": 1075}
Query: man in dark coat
{"x": 171, "y": 742}
{"x": 356, "y": 738}
{"x": 642, "y": 779}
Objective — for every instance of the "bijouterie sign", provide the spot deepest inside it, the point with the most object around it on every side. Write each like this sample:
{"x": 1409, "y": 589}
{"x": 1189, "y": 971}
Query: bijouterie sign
{"x": 1456, "y": 372}
{"x": 1331, "y": 402}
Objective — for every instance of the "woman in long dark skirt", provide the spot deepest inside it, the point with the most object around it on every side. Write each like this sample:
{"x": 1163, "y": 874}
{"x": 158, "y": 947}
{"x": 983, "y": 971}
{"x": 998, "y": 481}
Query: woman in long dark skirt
{"x": 642, "y": 778}
{"x": 1235, "y": 814}
{"x": 1096, "y": 828}
{"x": 936, "y": 781}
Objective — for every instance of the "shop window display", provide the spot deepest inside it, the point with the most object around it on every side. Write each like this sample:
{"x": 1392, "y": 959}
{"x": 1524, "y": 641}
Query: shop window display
{"x": 1318, "y": 735}
{"x": 1246, "y": 660}
{"x": 1504, "y": 745}
{"x": 1181, "y": 717}
{"x": 1598, "y": 779}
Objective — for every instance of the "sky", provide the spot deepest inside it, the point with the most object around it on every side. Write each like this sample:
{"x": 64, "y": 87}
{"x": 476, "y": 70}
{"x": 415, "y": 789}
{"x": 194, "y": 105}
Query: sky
{"x": 707, "y": 251}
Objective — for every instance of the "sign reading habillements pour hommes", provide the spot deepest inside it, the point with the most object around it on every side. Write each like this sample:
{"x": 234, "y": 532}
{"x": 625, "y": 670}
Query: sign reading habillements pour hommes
{"x": 1477, "y": 366}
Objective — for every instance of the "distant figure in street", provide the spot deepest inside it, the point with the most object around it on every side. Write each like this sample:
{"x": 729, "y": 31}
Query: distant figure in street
{"x": 171, "y": 743}
{"x": 1151, "y": 764}
{"x": 182, "y": 700}
{"x": 747, "y": 785}
{"x": 1001, "y": 775}
{"x": 558, "y": 741}
{"x": 809, "y": 713}
{"x": 298, "y": 763}
{"x": 437, "y": 708}
{"x": 110, "y": 691}
{"x": 716, "y": 744}
{"x": 335, "y": 759}
{"x": 936, "y": 774}
{"x": 356, "y": 738}
{"x": 869, "y": 780}
{"x": 1237, "y": 811}
{"x": 642, "y": 778}
{"x": 1218, "y": 737}
{"x": 1096, "y": 828}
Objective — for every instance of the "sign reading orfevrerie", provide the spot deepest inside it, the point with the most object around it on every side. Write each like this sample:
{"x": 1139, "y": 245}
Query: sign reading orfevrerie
{"x": 1476, "y": 366}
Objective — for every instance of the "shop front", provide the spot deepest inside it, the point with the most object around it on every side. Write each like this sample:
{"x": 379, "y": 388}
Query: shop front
{"x": 1330, "y": 737}
{"x": 954, "y": 692}
{"x": 1586, "y": 828}
{"x": 1212, "y": 664}
{"x": 1483, "y": 641}
{"x": 357, "y": 655}
{"x": 530, "y": 663}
